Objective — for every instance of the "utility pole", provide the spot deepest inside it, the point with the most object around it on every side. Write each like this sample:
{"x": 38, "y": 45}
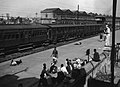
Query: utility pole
{"x": 77, "y": 14}
{"x": 113, "y": 43}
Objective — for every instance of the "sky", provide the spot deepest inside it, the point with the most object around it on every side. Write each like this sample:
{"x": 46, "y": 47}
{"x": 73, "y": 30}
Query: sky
{"x": 28, "y": 8}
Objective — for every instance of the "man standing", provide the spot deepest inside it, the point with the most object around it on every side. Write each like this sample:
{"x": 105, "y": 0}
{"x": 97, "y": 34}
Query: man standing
{"x": 43, "y": 75}
{"x": 54, "y": 55}
{"x": 107, "y": 32}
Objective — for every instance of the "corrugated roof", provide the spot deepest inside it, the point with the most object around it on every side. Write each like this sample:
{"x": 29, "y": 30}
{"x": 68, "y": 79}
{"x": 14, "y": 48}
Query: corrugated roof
{"x": 67, "y": 11}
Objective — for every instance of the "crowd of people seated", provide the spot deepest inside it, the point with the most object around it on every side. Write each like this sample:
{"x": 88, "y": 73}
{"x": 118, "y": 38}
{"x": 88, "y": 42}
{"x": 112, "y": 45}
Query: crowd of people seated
{"x": 69, "y": 72}
{"x": 66, "y": 73}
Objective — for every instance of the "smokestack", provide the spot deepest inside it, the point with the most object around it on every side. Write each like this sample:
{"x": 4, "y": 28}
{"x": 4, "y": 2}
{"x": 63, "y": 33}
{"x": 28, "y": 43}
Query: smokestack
{"x": 78, "y": 8}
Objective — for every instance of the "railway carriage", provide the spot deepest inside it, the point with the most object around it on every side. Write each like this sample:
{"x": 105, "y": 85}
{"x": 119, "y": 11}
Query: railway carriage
{"x": 9, "y": 37}
{"x": 16, "y": 36}
{"x": 39, "y": 35}
{"x": 63, "y": 32}
{"x": 91, "y": 29}
{"x": 19, "y": 36}
{"x": 68, "y": 32}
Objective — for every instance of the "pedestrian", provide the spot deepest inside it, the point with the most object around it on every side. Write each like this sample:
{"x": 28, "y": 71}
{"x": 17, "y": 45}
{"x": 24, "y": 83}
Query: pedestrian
{"x": 53, "y": 68}
{"x": 66, "y": 61}
{"x": 104, "y": 35}
{"x": 96, "y": 56}
{"x": 43, "y": 75}
{"x": 107, "y": 34}
{"x": 101, "y": 37}
{"x": 69, "y": 68}
{"x": 63, "y": 69}
{"x": 54, "y": 55}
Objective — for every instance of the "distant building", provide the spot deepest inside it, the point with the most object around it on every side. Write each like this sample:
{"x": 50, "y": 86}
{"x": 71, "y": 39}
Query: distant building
{"x": 58, "y": 16}
{"x": 52, "y": 15}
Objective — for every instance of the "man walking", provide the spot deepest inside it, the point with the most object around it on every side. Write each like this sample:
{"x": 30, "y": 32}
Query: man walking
{"x": 54, "y": 55}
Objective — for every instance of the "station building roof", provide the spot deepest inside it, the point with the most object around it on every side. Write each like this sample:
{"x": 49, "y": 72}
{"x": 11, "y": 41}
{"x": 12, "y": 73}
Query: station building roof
{"x": 51, "y": 10}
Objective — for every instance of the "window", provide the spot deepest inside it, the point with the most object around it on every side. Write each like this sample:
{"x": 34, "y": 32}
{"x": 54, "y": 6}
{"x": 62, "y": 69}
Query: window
{"x": 5, "y": 37}
{"x": 21, "y": 35}
{"x": 13, "y": 36}
{"x": 17, "y": 35}
{"x": 46, "y": 15}
{"x": 0, "y": 36}
{"x": 9, "y": 36}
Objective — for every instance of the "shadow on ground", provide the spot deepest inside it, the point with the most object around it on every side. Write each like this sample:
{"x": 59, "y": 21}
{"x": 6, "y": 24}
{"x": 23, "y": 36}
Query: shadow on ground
{"x": 97, "y": 83}
{"x": 13, "y": 81}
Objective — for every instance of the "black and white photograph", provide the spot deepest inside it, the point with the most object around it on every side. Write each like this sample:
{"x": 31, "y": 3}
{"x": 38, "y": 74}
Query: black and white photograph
{"x": 59, "y": 43}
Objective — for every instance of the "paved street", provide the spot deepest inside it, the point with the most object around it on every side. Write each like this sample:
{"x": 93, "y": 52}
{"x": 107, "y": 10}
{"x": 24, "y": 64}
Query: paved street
{"x": 28, "y": 72}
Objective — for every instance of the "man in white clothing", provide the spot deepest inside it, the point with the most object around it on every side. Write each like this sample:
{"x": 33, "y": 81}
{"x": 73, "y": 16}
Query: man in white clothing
{"x": 63, "y": 69}
{"x": 107, "y": 32}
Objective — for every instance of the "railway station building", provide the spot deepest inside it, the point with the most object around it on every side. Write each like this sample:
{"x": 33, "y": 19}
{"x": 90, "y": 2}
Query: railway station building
{"x": 65, "y": 16}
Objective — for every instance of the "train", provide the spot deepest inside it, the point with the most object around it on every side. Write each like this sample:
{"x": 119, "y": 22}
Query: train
{"x": 18, "y": 36}
{"x": 15, "y": 37}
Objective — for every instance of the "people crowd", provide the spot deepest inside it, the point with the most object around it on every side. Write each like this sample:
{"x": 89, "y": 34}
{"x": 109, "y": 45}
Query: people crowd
{"x": 68, "y": 72}
{"x": 54, "y": 75}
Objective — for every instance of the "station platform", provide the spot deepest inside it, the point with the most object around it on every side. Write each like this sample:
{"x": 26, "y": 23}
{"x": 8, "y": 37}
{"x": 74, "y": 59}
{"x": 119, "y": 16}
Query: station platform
{"x": 28, "y": 73}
